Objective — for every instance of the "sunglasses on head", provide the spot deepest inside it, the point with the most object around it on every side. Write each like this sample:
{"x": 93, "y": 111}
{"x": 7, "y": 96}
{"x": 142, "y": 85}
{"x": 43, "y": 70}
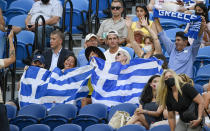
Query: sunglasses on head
{"x": 117, "y": 7}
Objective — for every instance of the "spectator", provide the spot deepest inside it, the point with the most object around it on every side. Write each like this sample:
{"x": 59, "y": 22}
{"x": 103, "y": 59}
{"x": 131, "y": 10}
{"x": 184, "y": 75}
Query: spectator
{"x": 115, "y": 23}
{"x": 51, "y": 10}
{"x": 91, "y": 51}
{"x": 2, "y": 37}
{"x": 206, "y": 97}
{"x": 123, "y": 57}
{"x": 151, "y": 43}
{"x": 149, "y": 111}
{"x": 4, "y": 126}
{"x": 178, "y": 96}
{"x": 163, "y": 58}
{"x": 54, "y": 57}
{"x": 70, "y": 62}
{"x": 90, "y": 40}
{"x": 181, "y": 54}
{"x": 113, "y": 43}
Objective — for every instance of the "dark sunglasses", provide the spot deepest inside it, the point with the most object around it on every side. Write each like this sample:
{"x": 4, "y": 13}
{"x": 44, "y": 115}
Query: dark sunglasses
{"x": 117, "y": 7}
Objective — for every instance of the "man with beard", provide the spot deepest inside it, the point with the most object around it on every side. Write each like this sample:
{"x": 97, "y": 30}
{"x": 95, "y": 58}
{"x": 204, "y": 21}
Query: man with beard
{"x": 51, "y": 10}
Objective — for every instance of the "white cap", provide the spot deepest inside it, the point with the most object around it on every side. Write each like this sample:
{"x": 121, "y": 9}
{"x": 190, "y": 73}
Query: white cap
{"x": 90, "y": 36}
{"x": 113, "y": 32}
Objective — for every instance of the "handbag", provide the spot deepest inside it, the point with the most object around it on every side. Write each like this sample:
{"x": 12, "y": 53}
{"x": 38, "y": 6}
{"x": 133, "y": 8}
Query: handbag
{"x": 119, "y": 119}
{"x": 191, "y": 113}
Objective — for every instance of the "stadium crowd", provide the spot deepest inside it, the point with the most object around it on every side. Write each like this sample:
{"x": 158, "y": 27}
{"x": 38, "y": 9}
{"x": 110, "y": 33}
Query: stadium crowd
{"x": 166, "y": 97}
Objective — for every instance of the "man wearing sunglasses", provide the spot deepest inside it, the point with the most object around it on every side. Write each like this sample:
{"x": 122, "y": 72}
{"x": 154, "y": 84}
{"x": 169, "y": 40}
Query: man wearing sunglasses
{"x": 115, "y": 23}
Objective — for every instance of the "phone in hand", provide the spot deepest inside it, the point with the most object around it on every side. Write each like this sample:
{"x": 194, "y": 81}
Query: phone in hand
{"x": 9, "y": 28}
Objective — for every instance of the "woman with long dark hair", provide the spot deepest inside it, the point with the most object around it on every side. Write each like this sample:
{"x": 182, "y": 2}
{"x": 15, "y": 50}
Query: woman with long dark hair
{"x": 148, "y": 111}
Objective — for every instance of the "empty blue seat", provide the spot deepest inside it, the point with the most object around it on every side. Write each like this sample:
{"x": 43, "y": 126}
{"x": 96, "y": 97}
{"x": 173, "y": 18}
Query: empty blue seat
{"x": 68, "y": 127}
{"x": 128, "y": 107}
{"x": 170, "y": 24}
{"x": 23, "y": 4}
{"x": 99, "y": 127}
{"x": 132, "y": 128}
{"x": 171, "y": 33}
{"x": 3, "y": 5}
{"x": 203, "y": 75}
{"x": 130, "y": 51}
{"x": 103, "y": 5}
{"x": 18, "y": 21}
{"x": 13, "y": 127}
{"x": 205, "y": 128}
{"x": 60, "y": 114}
{"x": 161, "y": 128}
{"x": 37, "y": 127}
{"x": 198, "y": 88}
{"x": 11, "y": 111}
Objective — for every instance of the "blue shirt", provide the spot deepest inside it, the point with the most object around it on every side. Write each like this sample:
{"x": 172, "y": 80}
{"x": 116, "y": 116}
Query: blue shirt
{"x": 82, "y": 61}
{"x": 180, "y": 61}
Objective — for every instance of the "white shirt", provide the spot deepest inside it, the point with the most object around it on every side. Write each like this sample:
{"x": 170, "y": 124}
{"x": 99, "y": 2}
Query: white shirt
{"x": 53, "y": 8}
{"x": 54, "y": 60}
{"x": 158, "y": 3}
{"x": 111, "y": 57}
{"x": 1, "y": 66}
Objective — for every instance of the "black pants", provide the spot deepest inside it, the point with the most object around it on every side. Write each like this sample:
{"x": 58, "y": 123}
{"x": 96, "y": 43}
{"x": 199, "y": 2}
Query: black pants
{"x": 4, "y": 125}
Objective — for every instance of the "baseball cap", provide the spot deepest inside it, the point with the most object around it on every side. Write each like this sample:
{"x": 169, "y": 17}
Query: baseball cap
{"x": 113, "y": 32}
{"x": 39, "y": 58}
{"x": 90, "y": 36}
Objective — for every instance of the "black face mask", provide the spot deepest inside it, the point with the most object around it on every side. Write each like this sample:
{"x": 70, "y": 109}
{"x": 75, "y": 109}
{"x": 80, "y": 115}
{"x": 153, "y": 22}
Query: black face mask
{"x": 196, "y": 13}
{"x": 45, "y": 1}
{"x": 170, "y": 82}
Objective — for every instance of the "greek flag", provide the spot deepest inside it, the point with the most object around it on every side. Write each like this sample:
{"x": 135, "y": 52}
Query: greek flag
{"x": 41, "y": 86}
{"x": 114, "y": 83}
{"x": 194, "y": 20}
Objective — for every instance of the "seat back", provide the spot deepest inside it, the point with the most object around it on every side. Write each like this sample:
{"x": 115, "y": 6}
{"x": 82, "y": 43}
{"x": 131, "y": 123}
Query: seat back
{"x": 11, "y": 111}
{"x": 68, "y": 127}
{"x": 161, "y": 128}
{"x": 132, "y": 128}
{"x": 3, "y": 5}
{"x": 13, "y": 127}
{"x": 171, "y": 33}
{"x": 23, "y": 4}
{"x": 103, "y": 5}
{"x": 128, "y": 107}
{"x": 36, "y": 127}
{"x": 18, "y": 21}
{"x": 99, "y": 127}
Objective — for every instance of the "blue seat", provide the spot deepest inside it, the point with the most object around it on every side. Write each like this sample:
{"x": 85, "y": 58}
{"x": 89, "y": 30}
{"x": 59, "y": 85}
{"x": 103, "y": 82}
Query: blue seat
{"x": 171, "y": 33}
{"x": 205, "y": 128}
{"x": 68, "y": 127}
{"x": 25, "y": 40}
{"x": 91, "y": 114}
{"x": 203, "y": 75}
{"x": 23, "y": 4}
{"x": 161, "y": 128}
{"x": 99, "y": 127}
{"x": 132, "y": 128}
{"x": 29, "y": 115}
{"x": 128, "y": 107}
{"x": 198, "y": 88}
{"x": 11, "y": 111}
{"x": 13, "y": 127}
{"x": 60, "y": 114}
{"x": 103, "y": 5}
{"x": 36, "y": 127}
{"x": 130, "y": 51}
{"x": 18, "y": 21}
{"x": 3, "y": 5}
{"x": 9, "y": 2}
{"x": 170, "y": 24}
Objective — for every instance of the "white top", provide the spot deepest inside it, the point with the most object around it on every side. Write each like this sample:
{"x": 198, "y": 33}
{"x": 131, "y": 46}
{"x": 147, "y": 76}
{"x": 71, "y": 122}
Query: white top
{"x": 54, "y": 60}
{"x": 158, "y": 3}
{"x": 1, "y": 66}
{"x": 111, "y": 57}
{"x": 53, "y": 8}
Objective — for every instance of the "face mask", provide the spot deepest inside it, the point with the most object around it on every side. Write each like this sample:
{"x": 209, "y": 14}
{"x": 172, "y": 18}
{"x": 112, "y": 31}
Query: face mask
{"x": 196, "y": 13}
{"x": 147, "y": 48}
{"x": 45, "y": 1}
{"x": 170, "y": 82}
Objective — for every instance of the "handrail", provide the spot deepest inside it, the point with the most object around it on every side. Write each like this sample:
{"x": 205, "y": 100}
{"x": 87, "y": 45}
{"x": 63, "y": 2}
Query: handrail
{"x": 89, "y": 17}
{"x": 36, "y": 33}
{"x": 124, "y": 11}
{"x": 97, "y": 22}
{"x": 70, "y": 24}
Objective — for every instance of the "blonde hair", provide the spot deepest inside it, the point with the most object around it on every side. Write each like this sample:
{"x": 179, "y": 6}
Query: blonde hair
{"x": 186, "y": 79}
{"x": 163, "y": 89}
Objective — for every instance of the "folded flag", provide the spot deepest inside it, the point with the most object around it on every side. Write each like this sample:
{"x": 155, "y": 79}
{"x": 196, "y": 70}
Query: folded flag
{"x": 115, "y": 83}
{"x": 41, "y": 86}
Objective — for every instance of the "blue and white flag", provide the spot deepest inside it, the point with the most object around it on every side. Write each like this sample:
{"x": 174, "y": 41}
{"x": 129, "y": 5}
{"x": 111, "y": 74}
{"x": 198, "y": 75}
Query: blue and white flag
{"x": 194, "y": 20}
{"x": 41, "y": 86}
{"x": 114, "y": 83}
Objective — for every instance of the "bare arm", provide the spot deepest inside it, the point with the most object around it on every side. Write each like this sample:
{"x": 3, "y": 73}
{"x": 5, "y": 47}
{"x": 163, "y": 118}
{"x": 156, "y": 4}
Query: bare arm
{"x": 151, "y": 5}
{"x": 11, "y": 59}
{"x": 52, "y": 20}
{"x": 155, "y": 113}
{"x": 2, "y": 22}
{"x": 171, "y": 120}
{"x": 206, "y": 97}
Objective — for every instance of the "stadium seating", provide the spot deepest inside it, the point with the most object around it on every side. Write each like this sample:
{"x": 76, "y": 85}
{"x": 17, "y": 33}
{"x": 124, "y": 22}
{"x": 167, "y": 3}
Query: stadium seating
{"x": 171, "y": 33}
{"x": 60, "y": 114}
{"x": 99, "y": 127}
{"x": 18, "y": 21}
{"x": 203, "y": 75}
{"x": 36, "y": 127}
{"x": 171, "y": 24}
{"x": 205, "y": 128}
{"x": 103, "y": 5}
{"x": 11, "y": 111}
{"x": 25, "y": 40}
{"x": 132, "y": 128}
{"x": 198, "y": 88}
{"x": 161, "y": 128}
{"x": 128, "y": 107}
{"x": 68, "y": 127}
{"x": 29, "y": 115}
{"x": 13, "y": 127}
{"x": 130, "y": 51}
{"x": 3, "y": 5}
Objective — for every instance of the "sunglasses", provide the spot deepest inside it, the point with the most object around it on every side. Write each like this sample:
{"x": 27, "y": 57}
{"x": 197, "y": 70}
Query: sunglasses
{"x": 118, "y": 54}
{"x": 117, "y": 7}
